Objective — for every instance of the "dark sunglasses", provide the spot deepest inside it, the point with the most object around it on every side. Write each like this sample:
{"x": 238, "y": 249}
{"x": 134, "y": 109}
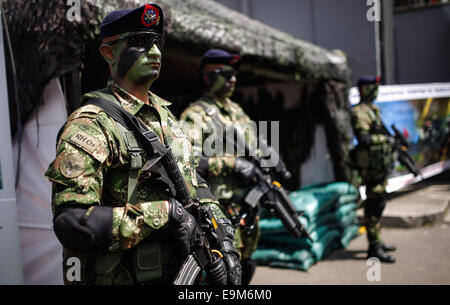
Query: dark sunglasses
{"x": 225, "y": 73}
{"x": 143, "y": 42}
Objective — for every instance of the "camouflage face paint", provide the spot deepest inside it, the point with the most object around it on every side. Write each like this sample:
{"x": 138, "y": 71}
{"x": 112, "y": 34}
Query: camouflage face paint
{"x": 139, "y": 65}
{"x": 369, "y": 92}
{"x": 223, "y": 82}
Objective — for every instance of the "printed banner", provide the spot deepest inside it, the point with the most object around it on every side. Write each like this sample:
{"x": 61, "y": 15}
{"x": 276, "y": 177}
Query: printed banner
{"x": 422, "y": 114}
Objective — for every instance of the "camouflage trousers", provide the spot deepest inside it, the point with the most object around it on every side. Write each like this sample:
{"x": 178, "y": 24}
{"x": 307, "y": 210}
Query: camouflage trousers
{"x": 373, "y": 208}
{"x": 247, "y": 242}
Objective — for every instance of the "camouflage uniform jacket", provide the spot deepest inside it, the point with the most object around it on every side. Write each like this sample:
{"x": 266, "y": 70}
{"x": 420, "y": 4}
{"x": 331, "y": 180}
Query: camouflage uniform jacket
{"x": 225, "y": 184}
{"x": 199, "y": 126}
{"x": 366, "y": 121}
{"x": 92, "y": 167}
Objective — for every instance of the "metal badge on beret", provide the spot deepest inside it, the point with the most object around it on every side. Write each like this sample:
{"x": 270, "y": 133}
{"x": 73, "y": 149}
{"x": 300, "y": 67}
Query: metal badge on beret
{"x": 150, "y": 16}
{"x": 72, "y": 165}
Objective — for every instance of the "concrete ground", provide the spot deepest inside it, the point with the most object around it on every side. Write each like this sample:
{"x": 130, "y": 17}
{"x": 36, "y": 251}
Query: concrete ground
{"x": 421, "y": 233}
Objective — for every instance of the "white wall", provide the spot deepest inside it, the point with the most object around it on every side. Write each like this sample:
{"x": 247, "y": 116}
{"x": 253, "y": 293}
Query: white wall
{"x": 10, "y": 263}
{"x": 41, "y": 250}
{"x": 319, "y": 167}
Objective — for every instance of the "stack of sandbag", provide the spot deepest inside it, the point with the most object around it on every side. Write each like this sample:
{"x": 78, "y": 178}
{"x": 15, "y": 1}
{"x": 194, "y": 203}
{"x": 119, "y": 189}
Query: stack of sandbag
{"x": 329, "y": 217}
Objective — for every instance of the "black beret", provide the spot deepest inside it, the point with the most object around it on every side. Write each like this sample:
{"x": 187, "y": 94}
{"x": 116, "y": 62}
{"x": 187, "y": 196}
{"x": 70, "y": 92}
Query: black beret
{"x": 217, "y": 56}
{"x": 147, "y": 18}
{"x": 368, "y": 79}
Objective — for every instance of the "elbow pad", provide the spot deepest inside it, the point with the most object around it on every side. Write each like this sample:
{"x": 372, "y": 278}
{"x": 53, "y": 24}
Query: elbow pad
{"x": 84, "y": 230}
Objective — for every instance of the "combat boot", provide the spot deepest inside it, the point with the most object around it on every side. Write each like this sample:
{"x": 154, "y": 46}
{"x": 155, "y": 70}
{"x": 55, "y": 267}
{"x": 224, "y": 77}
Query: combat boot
{"x": 388, "y": 247}
{"x": 376, "y": 250}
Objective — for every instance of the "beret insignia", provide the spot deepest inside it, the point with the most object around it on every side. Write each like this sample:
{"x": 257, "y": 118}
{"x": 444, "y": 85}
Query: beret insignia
{"x": 235, "y": 60}
{"x": 146, "y": 18}
{"x": 150, "y": 16}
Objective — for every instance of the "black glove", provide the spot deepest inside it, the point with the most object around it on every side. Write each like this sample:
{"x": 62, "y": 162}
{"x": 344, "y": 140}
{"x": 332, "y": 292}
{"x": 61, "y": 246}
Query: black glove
{"x": 231, "y": 255}
{"x": 365, "y": 140}
{"x": 280, "y": 167}
{"x": 245, "y": 169}
{"x": 182, "y": 226}
{"x": 231, "y": 259}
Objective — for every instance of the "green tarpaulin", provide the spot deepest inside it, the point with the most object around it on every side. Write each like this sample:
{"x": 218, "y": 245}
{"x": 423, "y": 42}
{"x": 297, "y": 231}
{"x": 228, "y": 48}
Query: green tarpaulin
{"x": 330, "y": 218}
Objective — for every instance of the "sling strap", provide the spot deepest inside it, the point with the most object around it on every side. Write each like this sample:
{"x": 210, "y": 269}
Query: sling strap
{"x": 149, "y": 139}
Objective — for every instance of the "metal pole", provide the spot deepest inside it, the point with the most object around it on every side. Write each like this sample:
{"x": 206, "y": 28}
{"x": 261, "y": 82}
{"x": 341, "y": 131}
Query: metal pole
{"x": 378, "y": 47}
{"x": 11, "y": 272}
{"x": 388, "y": 42}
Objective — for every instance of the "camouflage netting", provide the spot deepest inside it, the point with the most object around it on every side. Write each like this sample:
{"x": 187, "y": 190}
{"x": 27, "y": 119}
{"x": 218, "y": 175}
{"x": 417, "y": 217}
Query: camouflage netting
{"x": 209, "y": 23}
{"x": 47, "y": 45}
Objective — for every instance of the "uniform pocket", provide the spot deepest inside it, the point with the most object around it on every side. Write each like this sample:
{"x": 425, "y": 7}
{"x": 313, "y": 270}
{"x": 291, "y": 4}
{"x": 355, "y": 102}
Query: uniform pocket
{"x": 362, "y": 158}
{"x": 147, "y": 264}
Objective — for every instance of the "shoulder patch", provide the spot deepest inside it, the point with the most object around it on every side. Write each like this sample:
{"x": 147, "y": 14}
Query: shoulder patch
{"x": 86, "y": 141}
{"x": 72, "y": 165}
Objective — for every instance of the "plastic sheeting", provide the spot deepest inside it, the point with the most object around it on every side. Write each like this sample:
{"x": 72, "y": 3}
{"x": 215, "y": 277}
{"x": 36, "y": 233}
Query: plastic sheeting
{"x": 41, "y": 251}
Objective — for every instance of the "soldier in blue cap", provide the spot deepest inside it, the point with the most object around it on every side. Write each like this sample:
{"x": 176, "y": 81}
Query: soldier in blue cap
{"x": 118, "y": 220}
{"x": 373, "y": 158}
{"x": 230, "y": 175}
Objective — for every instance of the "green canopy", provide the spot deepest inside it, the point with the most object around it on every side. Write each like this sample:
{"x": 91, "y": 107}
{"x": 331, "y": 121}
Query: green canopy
{"x": 46, "y": 44}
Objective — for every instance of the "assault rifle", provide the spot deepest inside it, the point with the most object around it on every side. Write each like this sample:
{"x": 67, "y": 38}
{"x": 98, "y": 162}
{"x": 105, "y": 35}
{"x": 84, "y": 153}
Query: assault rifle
{"x": 209, "y": 244}
{"x": 401, "y": 147}
{"x": 162, "y": 165}
{"x": 273, "y": 196}
{"x": 268, "y": 191}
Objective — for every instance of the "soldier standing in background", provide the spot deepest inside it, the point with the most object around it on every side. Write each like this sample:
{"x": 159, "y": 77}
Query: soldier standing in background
{"x": 122, "y": 223}
{"x": 373, "y": 158}
{"x": 230, "y": 176}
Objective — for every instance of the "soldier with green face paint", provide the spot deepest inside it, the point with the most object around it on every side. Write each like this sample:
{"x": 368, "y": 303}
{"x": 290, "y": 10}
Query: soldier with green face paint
{"x": 120, "y": 221}
{"x": 229, "y": 174}
{"x": 373, "y": 158}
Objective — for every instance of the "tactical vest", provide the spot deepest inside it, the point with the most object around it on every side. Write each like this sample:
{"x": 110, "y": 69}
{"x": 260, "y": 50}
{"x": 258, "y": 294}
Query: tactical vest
{"x": 375, "y": 157}
{"x": 144, "y": 262}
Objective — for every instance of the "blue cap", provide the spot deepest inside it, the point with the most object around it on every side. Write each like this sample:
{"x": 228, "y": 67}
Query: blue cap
{"x": 368, "y": 79}
{"x": 147, "y": 18}
{"x": 217, "y": 56}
